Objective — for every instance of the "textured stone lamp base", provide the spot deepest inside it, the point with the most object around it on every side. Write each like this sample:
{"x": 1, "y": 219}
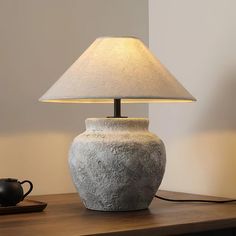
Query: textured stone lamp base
{"x": 117, "y": 164}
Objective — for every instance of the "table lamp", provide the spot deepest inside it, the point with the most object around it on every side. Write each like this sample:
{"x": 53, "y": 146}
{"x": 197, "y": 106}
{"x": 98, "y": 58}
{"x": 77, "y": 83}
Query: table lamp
{"x": 117, "y": 164}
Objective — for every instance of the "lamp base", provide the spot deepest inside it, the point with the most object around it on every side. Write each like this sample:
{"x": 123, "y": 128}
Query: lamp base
{"x": 117, "y": 164}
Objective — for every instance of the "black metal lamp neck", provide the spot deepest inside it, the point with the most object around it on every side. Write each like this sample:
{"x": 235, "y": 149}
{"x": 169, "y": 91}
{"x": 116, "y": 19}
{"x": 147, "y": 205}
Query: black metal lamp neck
{"x": 117, "y": 109}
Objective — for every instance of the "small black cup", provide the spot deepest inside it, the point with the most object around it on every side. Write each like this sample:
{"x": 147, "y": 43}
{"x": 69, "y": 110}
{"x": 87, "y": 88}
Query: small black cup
{"x": 11, "y": 191}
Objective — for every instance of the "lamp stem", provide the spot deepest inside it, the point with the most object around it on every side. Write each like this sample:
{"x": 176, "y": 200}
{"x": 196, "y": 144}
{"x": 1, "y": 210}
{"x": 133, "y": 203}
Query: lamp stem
{"x": 117, "y": 108}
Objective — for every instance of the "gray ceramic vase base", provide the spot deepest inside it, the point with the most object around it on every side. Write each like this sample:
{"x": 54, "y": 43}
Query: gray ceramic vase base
{"x": 117, "y": 164}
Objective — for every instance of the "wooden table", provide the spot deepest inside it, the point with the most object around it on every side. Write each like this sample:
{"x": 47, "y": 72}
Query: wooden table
{"x": 65, "y": 215}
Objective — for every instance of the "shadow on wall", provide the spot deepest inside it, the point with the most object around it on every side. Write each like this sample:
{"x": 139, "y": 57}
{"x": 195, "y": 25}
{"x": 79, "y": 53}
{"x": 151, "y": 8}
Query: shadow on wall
{"x": 40, "y": 41}
{"x": 220, "y": 114}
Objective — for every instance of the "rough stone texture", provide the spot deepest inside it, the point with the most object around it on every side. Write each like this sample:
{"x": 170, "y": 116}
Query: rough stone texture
{"x": 117, "y": 164}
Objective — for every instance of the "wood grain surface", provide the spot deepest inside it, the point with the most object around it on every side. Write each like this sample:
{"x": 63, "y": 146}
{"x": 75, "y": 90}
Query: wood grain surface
{"x": 65, "y": 215}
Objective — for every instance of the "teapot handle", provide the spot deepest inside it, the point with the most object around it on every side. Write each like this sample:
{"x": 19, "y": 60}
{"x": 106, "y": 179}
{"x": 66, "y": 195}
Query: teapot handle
{"x": 30, "y": 189}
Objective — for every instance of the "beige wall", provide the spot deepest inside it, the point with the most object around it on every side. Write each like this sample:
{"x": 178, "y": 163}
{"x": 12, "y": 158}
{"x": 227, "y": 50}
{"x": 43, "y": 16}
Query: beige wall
{"x": 196, "y": 41}
{"x": 39, "y": 40}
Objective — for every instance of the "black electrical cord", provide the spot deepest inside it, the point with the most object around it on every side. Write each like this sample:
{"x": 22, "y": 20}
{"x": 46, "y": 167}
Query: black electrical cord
{"x": 194, "y": 200}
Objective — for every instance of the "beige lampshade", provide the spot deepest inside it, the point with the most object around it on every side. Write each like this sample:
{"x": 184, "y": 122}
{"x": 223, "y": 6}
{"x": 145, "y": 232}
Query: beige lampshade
{"x": 117, "y": 67}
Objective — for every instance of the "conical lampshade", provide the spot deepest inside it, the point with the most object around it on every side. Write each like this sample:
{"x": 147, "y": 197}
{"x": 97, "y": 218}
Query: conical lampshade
{"x": 117, "y": 67}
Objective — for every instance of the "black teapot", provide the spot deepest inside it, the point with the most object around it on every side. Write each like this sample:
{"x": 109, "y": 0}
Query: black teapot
{"x": 11, "y": 191}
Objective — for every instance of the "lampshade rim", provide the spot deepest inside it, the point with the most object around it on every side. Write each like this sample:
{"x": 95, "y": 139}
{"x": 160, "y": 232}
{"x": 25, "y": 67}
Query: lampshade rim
{"x": 123, "y": 99}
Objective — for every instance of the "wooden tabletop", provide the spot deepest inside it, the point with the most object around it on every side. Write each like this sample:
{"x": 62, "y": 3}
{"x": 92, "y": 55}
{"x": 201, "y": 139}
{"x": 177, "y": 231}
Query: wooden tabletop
{"x": 65, "y": 215}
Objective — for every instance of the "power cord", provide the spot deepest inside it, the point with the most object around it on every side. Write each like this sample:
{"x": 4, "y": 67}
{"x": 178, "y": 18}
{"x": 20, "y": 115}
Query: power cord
{"x": 194, "y": 200}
